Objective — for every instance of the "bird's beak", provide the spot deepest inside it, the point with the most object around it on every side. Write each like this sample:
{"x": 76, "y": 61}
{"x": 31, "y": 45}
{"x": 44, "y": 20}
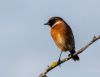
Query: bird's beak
{"x": 46, "y": 23}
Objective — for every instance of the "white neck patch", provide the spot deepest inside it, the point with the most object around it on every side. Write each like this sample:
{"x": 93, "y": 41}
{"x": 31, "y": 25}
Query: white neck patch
{"x": 58, "y": 22}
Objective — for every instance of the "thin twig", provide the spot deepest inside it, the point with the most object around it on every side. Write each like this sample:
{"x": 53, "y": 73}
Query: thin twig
{"x": 55, "y": 64}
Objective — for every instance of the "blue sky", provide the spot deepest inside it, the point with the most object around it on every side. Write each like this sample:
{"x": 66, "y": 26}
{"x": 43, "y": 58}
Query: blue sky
{"x": 26, "y": 47}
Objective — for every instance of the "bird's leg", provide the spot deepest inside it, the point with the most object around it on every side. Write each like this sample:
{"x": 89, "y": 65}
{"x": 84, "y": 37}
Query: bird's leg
{"x": 59, "y": 57}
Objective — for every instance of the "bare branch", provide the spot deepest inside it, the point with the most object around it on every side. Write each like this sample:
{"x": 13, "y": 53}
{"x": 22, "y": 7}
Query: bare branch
{"x": 55, "y": 64}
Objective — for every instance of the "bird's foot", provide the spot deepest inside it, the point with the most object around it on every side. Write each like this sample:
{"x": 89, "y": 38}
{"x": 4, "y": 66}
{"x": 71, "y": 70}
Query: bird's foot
{"x": 59, "y": 62}
{"x": 70, "y": 55}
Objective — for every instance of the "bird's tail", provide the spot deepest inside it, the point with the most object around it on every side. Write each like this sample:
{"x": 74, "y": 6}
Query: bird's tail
{"x": 75, "y": 58}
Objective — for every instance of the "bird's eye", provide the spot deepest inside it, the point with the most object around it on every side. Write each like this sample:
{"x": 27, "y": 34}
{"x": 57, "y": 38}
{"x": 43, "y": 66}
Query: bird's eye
{"x": 51, "y": 22}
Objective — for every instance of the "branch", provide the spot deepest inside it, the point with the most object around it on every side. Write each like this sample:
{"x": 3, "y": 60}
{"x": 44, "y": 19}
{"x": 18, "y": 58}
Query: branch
{"x": 55, "y": 64}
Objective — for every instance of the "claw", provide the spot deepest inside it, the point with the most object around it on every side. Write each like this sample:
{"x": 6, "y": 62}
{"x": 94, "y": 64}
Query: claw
{"x": 59, "y": 62}
{"x": 69, "y": 55}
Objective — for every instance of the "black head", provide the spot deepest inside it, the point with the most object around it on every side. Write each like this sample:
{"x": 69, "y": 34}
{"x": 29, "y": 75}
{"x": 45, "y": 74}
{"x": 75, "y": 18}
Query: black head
{"x": 53, "y": 20}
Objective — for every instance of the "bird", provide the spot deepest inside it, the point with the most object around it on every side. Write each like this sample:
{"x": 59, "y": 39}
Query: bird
{"x": 63, "y": 36}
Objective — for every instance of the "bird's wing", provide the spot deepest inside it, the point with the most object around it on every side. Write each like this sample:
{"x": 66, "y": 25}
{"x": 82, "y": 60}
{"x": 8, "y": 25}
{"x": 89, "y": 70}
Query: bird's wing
{"x": 69, "y": 37}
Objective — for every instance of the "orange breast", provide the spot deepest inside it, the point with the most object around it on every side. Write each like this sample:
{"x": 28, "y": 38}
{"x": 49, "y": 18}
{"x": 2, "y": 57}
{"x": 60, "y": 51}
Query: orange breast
{"x": 58, "y": 37}
{"x": 63, "y": 37}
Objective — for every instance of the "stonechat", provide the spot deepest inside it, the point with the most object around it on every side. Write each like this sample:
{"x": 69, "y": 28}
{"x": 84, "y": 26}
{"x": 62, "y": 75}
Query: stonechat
{"x": 62, "y": 35}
